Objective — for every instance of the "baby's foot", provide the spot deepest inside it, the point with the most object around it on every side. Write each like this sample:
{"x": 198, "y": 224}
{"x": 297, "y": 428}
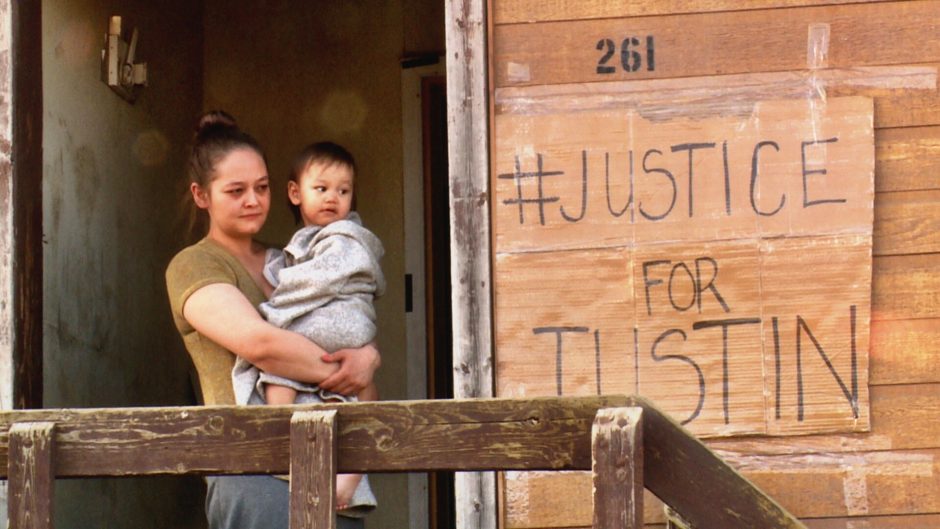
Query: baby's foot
{"x": 345, "y": 487}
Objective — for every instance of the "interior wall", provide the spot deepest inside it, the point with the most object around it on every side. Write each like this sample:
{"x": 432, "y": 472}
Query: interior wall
{"x": 297, "y": 72}
{"x": 110, "y": 192}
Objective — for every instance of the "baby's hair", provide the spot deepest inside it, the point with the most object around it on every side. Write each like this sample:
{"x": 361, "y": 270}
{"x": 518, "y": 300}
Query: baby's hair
{"x": 324, "y": 153}
{"x": 217, "y": 135}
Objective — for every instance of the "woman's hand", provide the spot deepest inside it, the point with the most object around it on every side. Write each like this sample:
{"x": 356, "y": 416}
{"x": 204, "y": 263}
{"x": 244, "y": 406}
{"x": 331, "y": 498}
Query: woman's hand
{"x": 356, "y": 369}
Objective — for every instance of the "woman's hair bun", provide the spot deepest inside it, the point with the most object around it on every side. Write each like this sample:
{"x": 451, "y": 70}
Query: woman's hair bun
{"x": 215, "y": 120}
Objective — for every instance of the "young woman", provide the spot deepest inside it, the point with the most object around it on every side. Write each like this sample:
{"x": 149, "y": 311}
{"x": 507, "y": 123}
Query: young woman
{"x": 214, "y": 287}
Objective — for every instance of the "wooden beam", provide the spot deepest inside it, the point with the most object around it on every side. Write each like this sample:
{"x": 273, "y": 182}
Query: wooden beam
{"x": 617, "y": 440}
{"x": 468, "y": 133}
{"x": 528, "y": 11}
{"x": 705, "y": 490}
{"x": 31, "y": 475}
{"x": 27, "y": 204}
{"x": 313, "y": 470}
{"x": 704, "y": 44}
{"x": 408, "y": 436}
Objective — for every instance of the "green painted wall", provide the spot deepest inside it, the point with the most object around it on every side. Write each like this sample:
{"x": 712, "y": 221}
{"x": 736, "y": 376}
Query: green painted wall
{"x": 111, "y": 173}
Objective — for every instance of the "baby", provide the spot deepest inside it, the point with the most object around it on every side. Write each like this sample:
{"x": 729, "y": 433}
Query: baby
{"x": 325, "y": 282}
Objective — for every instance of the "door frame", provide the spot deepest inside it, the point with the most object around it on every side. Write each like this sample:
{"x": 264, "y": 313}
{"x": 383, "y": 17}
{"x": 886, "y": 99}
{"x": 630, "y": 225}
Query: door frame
{"x": 21, "y": 194}
{"x": 466, "y": 35}
{"x": 415, "y": 246}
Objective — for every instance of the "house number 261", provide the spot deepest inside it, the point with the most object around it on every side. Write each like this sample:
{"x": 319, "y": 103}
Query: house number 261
{"x": 631, "y": 55}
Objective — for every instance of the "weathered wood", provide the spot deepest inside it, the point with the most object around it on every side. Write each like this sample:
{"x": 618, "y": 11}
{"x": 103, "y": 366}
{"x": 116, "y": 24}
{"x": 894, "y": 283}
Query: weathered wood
{"x": 904, "y": 417}
{"x": 465, "y": 34}
{"x": 8, "y": 327}
{"x": 905, "y": 422}
{"x": 907, "y": 159}
{"x": 905, "y": 352}
{"x": 712, "y": 494}
{"x": 864, "y": 483}
{"x": 382, "y": 437}
{"x": 468, "y": 134}
{"x": 522, "y": 11}
{"x": 885, "y": 483}
{"x": 27, "y": 203}
{"x": 904, "y": 95}
{"x": 907, "y": 222}
{"x": 558, "y": 499}
{"x": 714, "y": 43}
{"x": 459, "y": 435}
{"x": 617, "y": 440}
{"x": 901, "y": 521}
{"x": 313, "y": 470}
{"x": 31, "y": 475}
{"x": 905, "y": 287}
{"x": 671, "y": 456}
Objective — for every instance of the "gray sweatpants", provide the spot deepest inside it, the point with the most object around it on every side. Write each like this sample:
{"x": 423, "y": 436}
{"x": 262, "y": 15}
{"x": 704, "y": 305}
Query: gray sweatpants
{"x": 254, "y": 502}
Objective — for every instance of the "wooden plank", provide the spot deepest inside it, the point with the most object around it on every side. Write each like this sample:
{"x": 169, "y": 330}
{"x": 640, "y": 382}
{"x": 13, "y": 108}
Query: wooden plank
{"x": 677, "y": 468}
{"x": 686, "y": 475}
{"x": 907, "y": 159}
{"x": 31, "y": 475}
{"x": 907, "y": 222}
{"x": 905, "y": 351}
{"x": 27, "y": 208}
{"x": 466, "y": 36}
{"x": 468, "y": 134}
{"x": 883, "y": 483}
{"x": 863, "y": 483}
{"x": 904, "y": 96}
{"x": 895, "y": 521}
{"x": 528, "y": 11}
{"x": 313, "y": 470}
{"x": 558, "y": 499}
{"x": 712, "y": 43}
{"x": 380, "y": 437}
{"x": 904, "y": 417}
{"x": 905, "y": 287}
{"x": 617, "y": 440}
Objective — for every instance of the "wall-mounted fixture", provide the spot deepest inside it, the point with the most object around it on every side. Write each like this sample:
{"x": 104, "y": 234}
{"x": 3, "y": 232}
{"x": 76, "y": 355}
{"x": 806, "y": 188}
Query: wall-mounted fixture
{"x": 118, "y": 69}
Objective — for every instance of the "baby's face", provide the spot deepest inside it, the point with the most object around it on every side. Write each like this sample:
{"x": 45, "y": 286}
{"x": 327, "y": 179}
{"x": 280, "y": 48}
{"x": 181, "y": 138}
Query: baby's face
{"x": 323, "y": 193}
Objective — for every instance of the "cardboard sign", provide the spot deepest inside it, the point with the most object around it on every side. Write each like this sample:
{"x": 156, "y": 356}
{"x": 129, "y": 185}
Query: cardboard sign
{"x": 720, "y": 266}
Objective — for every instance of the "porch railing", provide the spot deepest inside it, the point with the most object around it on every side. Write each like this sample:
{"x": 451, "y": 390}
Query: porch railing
{"x": 625, "y": 441}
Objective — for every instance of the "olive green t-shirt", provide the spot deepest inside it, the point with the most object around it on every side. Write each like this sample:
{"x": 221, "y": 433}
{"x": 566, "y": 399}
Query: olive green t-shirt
{"x": 207, "y": 263}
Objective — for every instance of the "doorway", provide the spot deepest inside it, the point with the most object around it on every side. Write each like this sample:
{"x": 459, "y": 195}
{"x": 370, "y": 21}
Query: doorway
{"x": 291, "y": 72}
{"x": 427, "y": 261}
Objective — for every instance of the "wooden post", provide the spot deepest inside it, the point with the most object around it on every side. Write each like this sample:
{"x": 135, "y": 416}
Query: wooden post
{"x": 617, "y": 445}
{"x": 31, "y": 475}
{"x": 468, "y": 159}
{"x": 313, "y": 470}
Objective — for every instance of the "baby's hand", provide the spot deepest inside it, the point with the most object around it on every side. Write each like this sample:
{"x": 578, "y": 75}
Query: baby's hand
{"x": 345, "y": 487}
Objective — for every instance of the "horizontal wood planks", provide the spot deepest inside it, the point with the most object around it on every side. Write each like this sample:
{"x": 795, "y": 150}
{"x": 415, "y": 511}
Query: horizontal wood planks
{"x": 516, "y": 11}
{"x": 700, "y": 44}
{"x": 719, "y": 57}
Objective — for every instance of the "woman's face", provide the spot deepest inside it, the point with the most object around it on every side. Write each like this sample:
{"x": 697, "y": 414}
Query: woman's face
{"x": 239, "y": 195}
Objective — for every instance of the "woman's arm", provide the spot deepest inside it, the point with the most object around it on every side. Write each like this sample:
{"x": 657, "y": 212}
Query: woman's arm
{"x": 222, "y": 313}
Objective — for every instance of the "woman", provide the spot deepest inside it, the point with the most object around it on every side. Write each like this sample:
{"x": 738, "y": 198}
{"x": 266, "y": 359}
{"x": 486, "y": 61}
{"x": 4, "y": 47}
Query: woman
{"x": 214, "y": 287}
